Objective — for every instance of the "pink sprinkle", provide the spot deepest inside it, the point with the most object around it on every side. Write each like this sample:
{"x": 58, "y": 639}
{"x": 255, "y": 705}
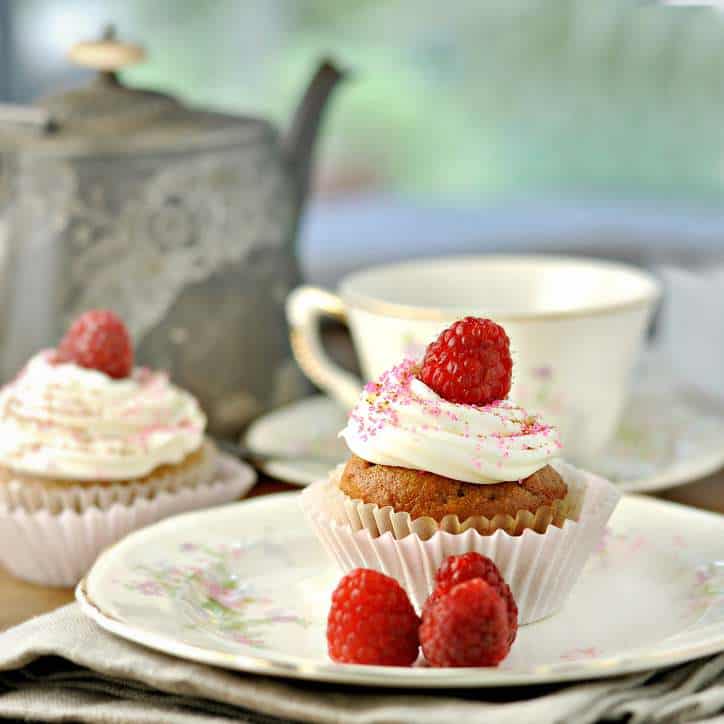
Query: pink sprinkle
{"x": 394, "y": 390}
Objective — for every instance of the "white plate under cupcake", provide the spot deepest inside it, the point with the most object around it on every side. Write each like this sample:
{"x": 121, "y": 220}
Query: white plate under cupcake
{"x": 248, "y": 586}
{"x": 56, "y": 549}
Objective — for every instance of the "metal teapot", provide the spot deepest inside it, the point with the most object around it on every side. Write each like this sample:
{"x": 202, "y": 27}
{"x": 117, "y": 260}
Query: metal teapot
{"x": 181, "y": 220}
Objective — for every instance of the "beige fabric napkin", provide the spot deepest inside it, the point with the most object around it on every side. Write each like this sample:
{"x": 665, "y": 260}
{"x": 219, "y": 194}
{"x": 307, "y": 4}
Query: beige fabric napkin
{"x": 62, "y": 667}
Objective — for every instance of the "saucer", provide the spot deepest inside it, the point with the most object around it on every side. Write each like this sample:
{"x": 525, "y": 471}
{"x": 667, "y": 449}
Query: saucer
{"x": 663, "y": 440}
{"x": 308, "y": 428}
{"x": 247, "y": 587}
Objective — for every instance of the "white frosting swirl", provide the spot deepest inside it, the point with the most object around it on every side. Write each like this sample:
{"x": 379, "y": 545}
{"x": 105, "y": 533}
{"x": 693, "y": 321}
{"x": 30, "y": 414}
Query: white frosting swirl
{"x": 64, "y": 421}
{"x": 400, "y": 421}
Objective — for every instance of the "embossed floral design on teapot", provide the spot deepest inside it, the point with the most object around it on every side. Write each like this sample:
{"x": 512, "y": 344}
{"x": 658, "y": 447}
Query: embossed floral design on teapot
{"x": 182, "y": 220}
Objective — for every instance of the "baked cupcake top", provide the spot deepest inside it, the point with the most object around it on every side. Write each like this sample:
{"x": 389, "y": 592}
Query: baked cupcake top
{"x": 401, "y": 421}
{"x": 63, "y": 420}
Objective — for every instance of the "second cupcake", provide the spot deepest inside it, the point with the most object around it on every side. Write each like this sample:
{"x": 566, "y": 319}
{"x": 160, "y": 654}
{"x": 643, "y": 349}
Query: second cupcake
{"x": 82, "y": 420}
{"x": 92, "y": 447}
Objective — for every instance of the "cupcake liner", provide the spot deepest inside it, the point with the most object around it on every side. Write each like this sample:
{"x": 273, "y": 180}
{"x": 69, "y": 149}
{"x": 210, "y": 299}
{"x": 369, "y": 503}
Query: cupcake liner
{"x": 540, "y": 568}
{"x": 56, "y": 549}
{"x": 35, "y": 496}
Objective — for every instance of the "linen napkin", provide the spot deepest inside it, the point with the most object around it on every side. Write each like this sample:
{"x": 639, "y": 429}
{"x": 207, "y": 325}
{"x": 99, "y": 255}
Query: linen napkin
{"x": 62, "y": 666}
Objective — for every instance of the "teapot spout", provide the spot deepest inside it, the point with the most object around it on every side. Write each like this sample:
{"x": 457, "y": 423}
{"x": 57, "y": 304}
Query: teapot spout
{"x": 300, "y": 139}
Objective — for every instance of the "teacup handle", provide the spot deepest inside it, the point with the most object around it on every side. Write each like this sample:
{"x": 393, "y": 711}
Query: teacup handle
{"x": 306, "y": 306}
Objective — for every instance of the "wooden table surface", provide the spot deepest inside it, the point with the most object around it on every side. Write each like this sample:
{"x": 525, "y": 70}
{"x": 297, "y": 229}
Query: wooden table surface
{"x": 20, "y": 601}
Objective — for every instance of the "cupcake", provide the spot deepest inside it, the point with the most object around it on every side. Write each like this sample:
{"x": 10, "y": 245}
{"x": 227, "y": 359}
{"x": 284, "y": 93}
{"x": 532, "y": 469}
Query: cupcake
{"x": 91, "y": 447}
{"x": 443, "y": 463}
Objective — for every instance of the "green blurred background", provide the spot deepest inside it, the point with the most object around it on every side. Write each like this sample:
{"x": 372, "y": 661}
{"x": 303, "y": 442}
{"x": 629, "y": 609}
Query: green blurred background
{"x": 464, "y": 101}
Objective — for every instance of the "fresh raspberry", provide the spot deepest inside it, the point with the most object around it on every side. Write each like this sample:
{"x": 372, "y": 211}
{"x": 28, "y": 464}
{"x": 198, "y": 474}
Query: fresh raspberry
{"x": 457, "y": 569}
{"x": 466, "y": 627}
{"x": 98, "y": 340}
{"x": 469, "y": 362}
{"x": 372, "y": 621}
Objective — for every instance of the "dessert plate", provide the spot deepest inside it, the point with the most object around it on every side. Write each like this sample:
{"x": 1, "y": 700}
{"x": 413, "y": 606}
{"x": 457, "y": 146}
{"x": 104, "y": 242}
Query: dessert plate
{"x": 662, "y": 441}
{"x": 247, "y": 587}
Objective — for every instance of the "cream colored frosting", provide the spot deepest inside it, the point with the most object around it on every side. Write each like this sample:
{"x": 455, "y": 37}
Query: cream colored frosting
{"x": 64, "y": 421}
{"x": 400, "y": 421}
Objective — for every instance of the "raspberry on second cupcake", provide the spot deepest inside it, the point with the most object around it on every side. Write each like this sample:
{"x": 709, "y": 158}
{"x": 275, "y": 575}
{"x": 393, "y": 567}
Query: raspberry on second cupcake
{"x": 98, "y": 340}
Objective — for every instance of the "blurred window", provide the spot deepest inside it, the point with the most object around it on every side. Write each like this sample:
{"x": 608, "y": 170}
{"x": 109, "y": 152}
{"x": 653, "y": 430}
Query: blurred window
{"x": 455, "y": 107}
{"x": 467, "y": 102}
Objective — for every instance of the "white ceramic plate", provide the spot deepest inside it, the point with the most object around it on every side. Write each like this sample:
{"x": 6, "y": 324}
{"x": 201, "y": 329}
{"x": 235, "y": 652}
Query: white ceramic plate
{"x": 247, "y": 587}
{"x": 662, "y": 441}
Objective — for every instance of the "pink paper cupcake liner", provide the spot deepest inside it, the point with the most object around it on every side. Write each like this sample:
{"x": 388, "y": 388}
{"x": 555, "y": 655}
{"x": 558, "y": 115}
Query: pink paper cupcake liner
{"x": 540, "y": 568}
{"x": 57, "y": 549}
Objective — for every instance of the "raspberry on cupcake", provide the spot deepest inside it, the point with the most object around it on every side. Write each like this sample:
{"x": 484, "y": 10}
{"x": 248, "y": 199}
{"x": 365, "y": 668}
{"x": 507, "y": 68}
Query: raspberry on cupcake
{"x": 98, "y": 340}
{"x": 469, "y": 363}
{"x": 444, "y": 463}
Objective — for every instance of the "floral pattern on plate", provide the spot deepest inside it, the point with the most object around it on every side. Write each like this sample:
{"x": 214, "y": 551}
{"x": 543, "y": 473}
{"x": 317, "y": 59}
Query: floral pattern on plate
{"x": 707, "y": 593}
{"x": 702, "y": 586}
{"x": 207, "y": 582}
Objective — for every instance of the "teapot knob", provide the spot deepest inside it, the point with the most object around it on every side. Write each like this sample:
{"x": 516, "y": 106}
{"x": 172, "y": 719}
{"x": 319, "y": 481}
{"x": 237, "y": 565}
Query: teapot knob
{"x": 107, "y": 54}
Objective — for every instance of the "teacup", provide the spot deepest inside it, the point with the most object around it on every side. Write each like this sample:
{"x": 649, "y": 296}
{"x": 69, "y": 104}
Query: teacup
{"x": 576, "y": 328}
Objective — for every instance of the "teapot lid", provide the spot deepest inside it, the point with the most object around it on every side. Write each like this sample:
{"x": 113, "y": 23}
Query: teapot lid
{"x": 106, "y": 115}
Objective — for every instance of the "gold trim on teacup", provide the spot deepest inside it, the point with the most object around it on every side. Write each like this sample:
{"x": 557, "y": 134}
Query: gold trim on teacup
{"x": 445, "y": 314}
{"x": 403, "y": 311}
